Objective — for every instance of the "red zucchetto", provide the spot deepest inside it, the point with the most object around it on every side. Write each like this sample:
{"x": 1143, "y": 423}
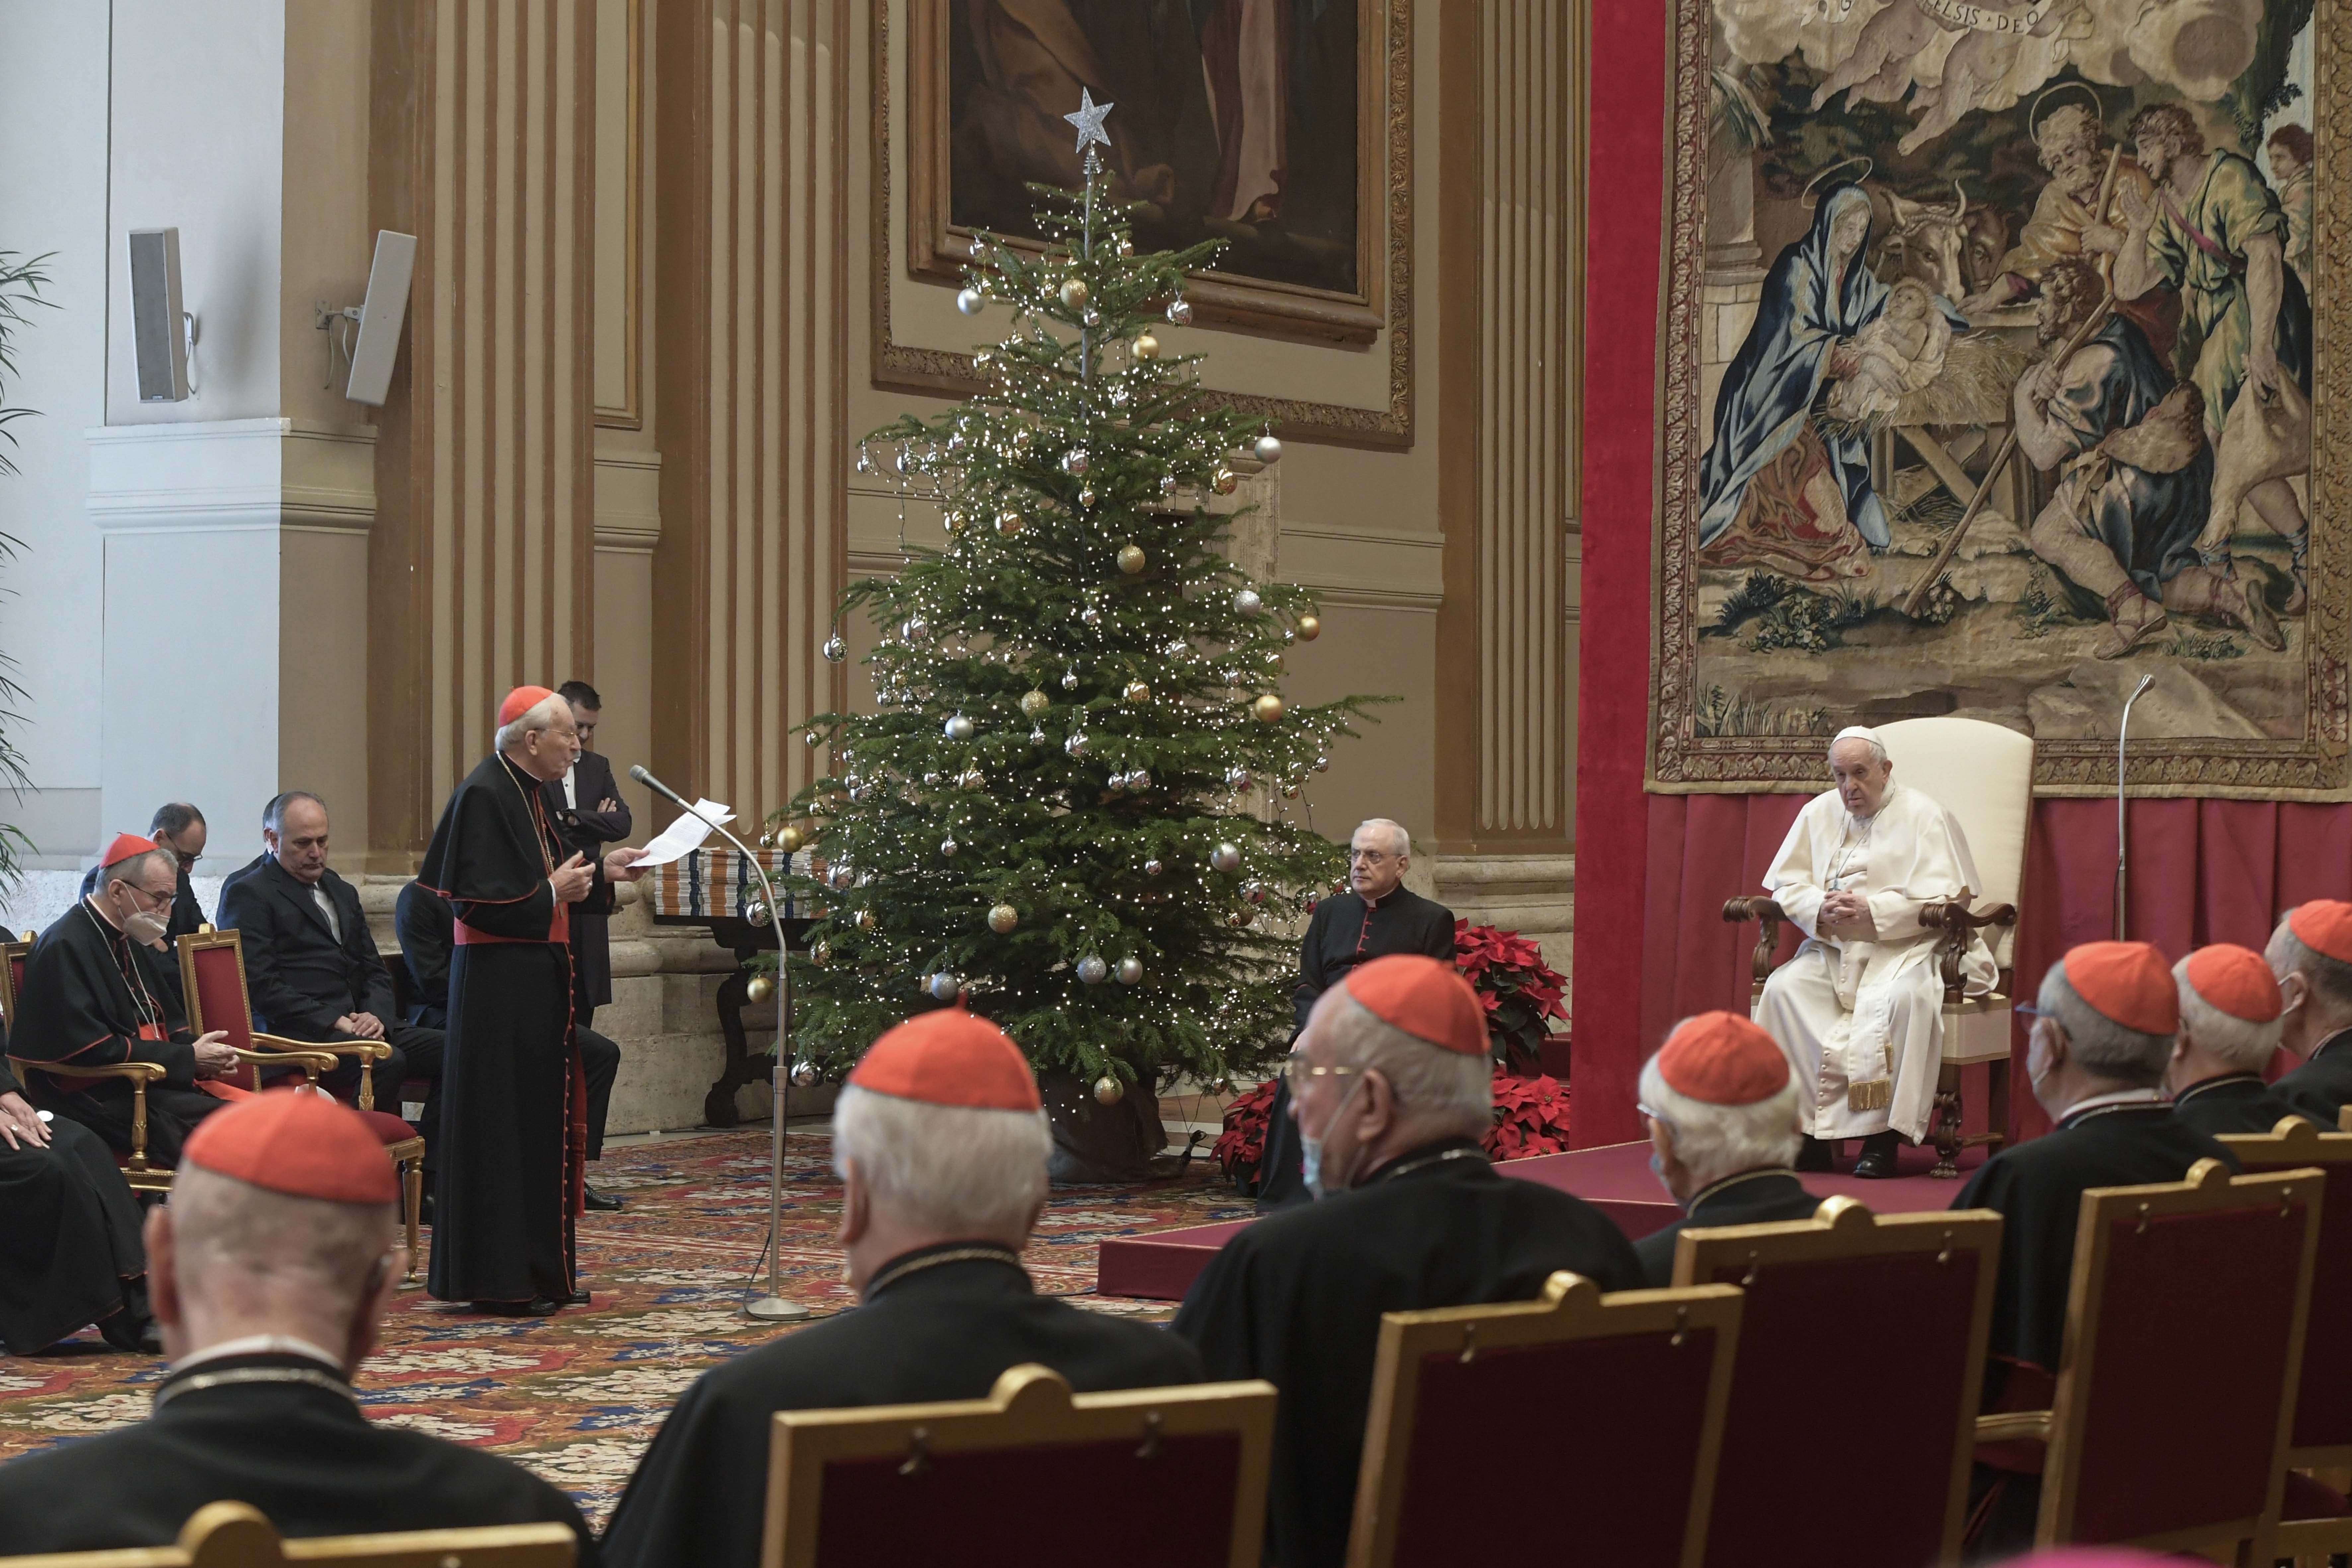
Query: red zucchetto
{"x": 2234, "y": 980}
{"x": 124, "y": 846}
{"x": 2127, "y": 982}
{"x": 2324, "y": 926}
{"x": 1427, "y": 999}
{"x": 1722, "y": 1058}
{"x": 520, "y": 702}
{"x": 949, "y": 1057}
{"x": 299, "y": 1143}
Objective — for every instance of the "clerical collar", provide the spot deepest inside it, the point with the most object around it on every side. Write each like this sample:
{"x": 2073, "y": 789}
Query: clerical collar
{"x": 259, "y": 1345}
{"x": 915, "y": 1262}
{"x": 2194, "y": 1089}
{"x": 2120, "y": 1100}
{"x": 2337, "y": 1038}
{"x": 237, "y": 1363}
{"x": 1714, "y": 1188}
{"x": 1428, "y": 1158}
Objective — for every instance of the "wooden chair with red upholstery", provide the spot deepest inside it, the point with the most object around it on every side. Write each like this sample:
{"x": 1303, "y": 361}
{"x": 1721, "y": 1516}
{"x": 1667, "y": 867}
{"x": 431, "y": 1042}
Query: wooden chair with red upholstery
{"x": 236, "y": 1535}
{"x": 139, "y": 1174}
{"x": 1613, "y": 1406}
{"x": 1148, "y": 1478}
{"x": 2315, "y": 1519}
{"x": 212, "y": 982}
{"x": 1912, "y": 1298}
{"x": 2176, "y": 1387}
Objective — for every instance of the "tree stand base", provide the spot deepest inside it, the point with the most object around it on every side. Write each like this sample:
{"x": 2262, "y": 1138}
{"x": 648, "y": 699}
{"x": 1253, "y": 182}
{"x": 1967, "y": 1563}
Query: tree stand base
{"x": 1094, "y": 1142}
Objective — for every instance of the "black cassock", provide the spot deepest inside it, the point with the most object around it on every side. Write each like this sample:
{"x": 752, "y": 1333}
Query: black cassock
{"x": 423, "y": 922}
{"x": 942, "y": 1323}
{"x": 2234, "y": 1103}
{"x": 2322, "y": 1087}
{"x": 1344, "y": 933}
{"x": 70, "y": 1253}
{"x": 282, "y": 1432}
{"x": 1297, "y": 1299}
{"x": 584, "y": 828}
{"x": 513, "y": 1097}
{"x": 92, "y": 997}
{"x": 1752, "y": 1197}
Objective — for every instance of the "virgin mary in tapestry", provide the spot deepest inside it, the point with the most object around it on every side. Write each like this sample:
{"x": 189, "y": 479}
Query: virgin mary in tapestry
{"x": 1989, "y": 387}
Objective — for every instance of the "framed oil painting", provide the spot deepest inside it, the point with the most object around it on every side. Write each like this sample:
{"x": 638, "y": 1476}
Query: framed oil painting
{"x": 1261, "y": 122}
{"x": 1992, "y": 333}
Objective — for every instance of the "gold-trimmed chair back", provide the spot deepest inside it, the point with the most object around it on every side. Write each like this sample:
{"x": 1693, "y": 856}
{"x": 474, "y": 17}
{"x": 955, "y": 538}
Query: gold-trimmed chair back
{"x": 1154, "y": 1478}
{"x": 1911, "y": 1295}
{"x": 1637, "y": 1381}
{"x": 236, "y": 1535}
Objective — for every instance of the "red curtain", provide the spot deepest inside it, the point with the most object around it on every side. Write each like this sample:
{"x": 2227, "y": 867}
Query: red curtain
{"x": 1653, "y": 871}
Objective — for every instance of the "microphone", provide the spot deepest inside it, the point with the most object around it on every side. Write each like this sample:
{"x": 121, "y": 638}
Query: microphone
{"x": 2123, "y": 728}
{"x": 773, "y": 1308}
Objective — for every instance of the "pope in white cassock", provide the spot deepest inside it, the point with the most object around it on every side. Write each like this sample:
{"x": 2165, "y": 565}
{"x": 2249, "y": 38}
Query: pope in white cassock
{"x": 1860, "y": 1008}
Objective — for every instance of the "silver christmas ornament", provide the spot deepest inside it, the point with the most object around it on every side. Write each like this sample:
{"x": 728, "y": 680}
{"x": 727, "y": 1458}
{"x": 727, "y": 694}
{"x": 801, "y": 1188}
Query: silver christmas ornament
{"x": 1077, "y": 745}
{"x": 1138, "y": 779}
{"x": 1167, "y": 486}
{"x": 756, "y": 913}
{"x": 970, "y": 778}
{"x": 1074, "y": 461}
{"x": 1091, "y": 616}
{"x": 1152, "y": 867}
{"x": 1269, "y": 449}
{"x": 1125, "y": 247}
{"x": 948, "y": 847}
{"x": 1247, "y": 602}
{"x": 1093, "y": 970}
{"x": 930, "y": 781}
{"x": 1179, "y": 312}
{"x": 1254, "y": 893}
{"x": 978, "y": 246}
{"x": 1237, "y": 778}
{"x": 835, "y": 649}
{"x": 839, "y": 875}
{"x": 943, "y": 987}
{"x": 804, "y": 1074}
{"x": 958, "y": 728}
{"x": 1037, "y": 736}
{"x": 1225, "y": 858}
{"x": 969, "y": 302}
{"x": 1130, "y": 971}
{"x": 1322, "y": 764}
{"x": 812, "y": 739}
{"x": 1069, "y": 680}
{"x": 1086, "y": 494}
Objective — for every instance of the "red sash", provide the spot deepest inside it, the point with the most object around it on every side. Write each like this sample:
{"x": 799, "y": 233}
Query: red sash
{"x": 211, "y": 1086}
{"x": 558, "y": 930}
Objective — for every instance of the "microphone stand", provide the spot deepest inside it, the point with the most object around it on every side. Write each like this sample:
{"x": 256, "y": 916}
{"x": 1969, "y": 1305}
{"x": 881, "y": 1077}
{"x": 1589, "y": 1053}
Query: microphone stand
{"x": 2123, "y": 728}
{"x": 771, "y": 1308}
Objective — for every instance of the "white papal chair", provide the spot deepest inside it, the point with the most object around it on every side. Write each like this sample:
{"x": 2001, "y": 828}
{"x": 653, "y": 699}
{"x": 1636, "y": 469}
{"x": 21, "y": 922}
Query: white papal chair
{"x": 1983, "y": 774}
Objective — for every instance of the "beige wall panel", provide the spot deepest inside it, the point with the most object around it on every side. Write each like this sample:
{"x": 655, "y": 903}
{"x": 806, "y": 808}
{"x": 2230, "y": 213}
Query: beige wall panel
{"x": 322, "y": 676}
{"x": 1386, "y": 771}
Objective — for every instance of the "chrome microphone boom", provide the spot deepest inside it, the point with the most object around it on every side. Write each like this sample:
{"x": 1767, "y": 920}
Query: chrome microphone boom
{"x": 2123, "y": 728}
{"x": 771, "y": 1308}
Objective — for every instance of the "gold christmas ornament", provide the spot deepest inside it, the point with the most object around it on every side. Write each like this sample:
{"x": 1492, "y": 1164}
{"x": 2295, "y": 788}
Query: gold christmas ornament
{"x": 1222, "y": 481}
{"x": 1131, "y": 559}
{"x": 1010, "y": 522}
{"x": 1266, "y": 708}
{"x": 1146, "y": 346}
{"x": 1033, "y": 702}
{"x": 767, "y": 840}
{"x": 760, "y": 988}
{"x": 1309, "y": 627}
{"x": 1074, "y": 293}
{"x": 789, "y": 840}
{"x": 864, "y": 919}
{"x": 1002, "y": 919}
{"x": 1108, "y": 1090}
{"x": 1138, "y": 692}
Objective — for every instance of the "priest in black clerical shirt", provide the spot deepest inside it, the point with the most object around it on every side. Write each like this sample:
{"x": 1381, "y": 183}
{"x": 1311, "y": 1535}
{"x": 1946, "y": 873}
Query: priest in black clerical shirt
{"x": 1395, "y": 1090}
{"x": 2229, "y": 1008}
{"x": 1721, "y": 1105}
{"x": 96, "y": 992}
{"x": 2311, "y": 954}
{"x": 1377, "y": 916}
{"x": 942, "y": 1151}
{"x": 513, "y": 1091}
{"x": 275, "y": 1258}
{"x": 2103, "y": 1033}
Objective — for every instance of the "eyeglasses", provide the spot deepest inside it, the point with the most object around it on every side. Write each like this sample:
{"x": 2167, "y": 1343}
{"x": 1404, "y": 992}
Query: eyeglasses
{"x": 161, "y": 900}
{"x": 1295, "y": 1069}
{"x": 1365, "y": 857}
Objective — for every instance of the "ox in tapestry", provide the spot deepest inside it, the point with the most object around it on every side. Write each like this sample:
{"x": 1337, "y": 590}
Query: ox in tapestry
{"x": 1989, "y": 388}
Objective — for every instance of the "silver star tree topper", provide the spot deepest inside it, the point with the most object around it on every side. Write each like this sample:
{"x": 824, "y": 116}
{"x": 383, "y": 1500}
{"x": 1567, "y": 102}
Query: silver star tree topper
{"x": 1089, "y": 119}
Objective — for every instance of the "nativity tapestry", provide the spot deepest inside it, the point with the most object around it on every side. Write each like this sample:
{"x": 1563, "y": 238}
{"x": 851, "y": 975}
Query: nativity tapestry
{"x": 1993, "y": 384}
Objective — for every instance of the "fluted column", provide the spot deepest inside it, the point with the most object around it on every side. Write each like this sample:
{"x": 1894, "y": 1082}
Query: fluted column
{"x": 482, "y": 146}
{"x": 751, "y": 328}
{"x": 1508, "y": 257}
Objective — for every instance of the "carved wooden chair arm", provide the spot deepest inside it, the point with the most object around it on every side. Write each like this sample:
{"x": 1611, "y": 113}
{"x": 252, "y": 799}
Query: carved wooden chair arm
{"x": 1767, "y": 914}
{"x": 366, "y": 1052}
{"x": 312, "y": 1062}
{"x": 1955, "y": 917}
{"x": 139, "y": 1073}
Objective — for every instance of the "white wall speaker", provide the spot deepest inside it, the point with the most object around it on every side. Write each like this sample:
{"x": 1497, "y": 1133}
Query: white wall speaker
{"x": 159, "y": 340}
{"x": 380, "y": 318}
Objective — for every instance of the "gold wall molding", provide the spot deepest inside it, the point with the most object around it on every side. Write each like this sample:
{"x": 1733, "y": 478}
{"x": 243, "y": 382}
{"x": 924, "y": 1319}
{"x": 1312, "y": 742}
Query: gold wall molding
{"x": 751, "y": 112}
{"x": 910, "y": 367}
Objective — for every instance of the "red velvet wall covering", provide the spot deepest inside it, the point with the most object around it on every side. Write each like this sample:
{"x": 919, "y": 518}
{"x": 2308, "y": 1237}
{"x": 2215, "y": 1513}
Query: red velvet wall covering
{"x": 1653, "y": 870}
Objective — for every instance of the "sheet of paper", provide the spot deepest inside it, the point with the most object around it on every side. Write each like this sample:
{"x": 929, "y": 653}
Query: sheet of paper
{"x": 684, "y": 836}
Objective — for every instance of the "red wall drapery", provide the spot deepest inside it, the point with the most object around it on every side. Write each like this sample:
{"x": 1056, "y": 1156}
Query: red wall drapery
{"x": 1653, "y": 871}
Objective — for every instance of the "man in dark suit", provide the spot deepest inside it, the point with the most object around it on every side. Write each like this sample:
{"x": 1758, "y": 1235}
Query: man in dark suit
{"x": 1377, "y": 916}
{"x": 1721, "y": 1106}
{"x": 942, "y": 1152}
{"x": 427, "y": 931}
{"x": 2311, "y": 954}
{"x": 270, "y": 1268}
{"x": 310, "y": 963}
{"x": 589, "y": 814}
{"x": 2229, "y": 1033}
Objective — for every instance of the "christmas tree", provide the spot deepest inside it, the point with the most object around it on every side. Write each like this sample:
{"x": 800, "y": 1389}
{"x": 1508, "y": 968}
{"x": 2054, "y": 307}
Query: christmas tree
{"x": 1048, "y": 817}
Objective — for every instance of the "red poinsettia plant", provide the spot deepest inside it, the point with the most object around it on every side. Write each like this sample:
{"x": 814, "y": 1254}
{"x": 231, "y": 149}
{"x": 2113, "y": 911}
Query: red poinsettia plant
{"x": 1521, "y": 992}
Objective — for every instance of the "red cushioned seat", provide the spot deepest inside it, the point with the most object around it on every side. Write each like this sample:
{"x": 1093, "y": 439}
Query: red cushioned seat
{"x": 388, "y": 1127}
{"x": 2308, "y": 1499}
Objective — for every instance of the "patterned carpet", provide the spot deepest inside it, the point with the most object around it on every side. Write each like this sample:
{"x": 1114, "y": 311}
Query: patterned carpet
{"x": 577, "y": 1396}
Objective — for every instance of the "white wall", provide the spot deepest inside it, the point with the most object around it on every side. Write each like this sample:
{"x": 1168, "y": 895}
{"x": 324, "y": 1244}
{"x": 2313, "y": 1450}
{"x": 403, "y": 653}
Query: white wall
{"x": 53, "y": 184}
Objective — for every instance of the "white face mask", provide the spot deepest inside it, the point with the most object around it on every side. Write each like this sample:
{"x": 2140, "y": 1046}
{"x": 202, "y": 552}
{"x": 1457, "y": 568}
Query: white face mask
{"x": 143, "y": 927}
{"x": 1312, "y": 1164}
